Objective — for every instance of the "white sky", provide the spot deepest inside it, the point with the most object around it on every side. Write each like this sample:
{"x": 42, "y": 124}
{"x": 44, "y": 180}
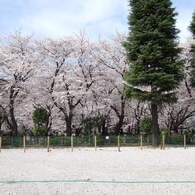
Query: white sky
{"x": 57, "y": 18}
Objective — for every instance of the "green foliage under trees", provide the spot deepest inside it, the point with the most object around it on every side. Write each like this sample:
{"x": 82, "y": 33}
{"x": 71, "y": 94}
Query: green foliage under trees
{"x": 40, "y": 131}
{"x": 165, "y": 131}
{"x": 92, "y": 124}
{"x": 155, "y": 69}
{"x": 40, "y": 119}
{"x": 146, "y": 125}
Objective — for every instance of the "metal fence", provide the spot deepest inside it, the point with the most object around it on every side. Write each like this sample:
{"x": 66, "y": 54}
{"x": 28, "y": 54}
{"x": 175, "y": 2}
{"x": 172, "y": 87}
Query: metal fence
{"x": 93, "y": 141}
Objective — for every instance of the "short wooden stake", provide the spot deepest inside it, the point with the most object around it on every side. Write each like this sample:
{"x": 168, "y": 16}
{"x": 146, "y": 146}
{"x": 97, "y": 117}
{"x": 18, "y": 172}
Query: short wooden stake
{"x": 141, "y": 141}
{"x": 0, "y": 142}
{"x": 119, "y": 144}
{"x": 72, "y": 144}
{"x": 184, "y": 140}
{"x": 48, "y": 143}
{"x": 95, "y": 143}
{"x": 24, "y": 143}
{"x": 163, "y": 142}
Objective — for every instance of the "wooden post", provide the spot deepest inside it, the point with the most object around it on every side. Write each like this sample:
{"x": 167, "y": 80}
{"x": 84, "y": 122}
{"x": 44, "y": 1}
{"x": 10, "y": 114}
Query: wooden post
{"x": 72, "y": 144}
{"x": 95, "y": 143}
{"x": 184, "y": 140}
{"x": 119, "y": 143}
{"x": 163, "y": 141}
{"x": 48, "y": 143}
{"x": 141, "y": 141}
{"x": 0, "y": 142}
{"x": 24, "y": 143}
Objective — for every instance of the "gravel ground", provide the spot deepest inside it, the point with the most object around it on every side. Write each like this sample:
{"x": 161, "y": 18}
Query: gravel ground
{"x": 104, "y": 165}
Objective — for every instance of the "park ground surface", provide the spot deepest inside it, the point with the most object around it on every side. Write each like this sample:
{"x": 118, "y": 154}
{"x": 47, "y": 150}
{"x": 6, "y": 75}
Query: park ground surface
{"x": 100, "y": 172}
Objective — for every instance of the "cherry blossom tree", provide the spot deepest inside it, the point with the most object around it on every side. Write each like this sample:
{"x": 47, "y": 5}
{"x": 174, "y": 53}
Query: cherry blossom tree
{"x": 178, "y": 116}
{"x": 75, "y": 80}
{"x": 111, "y": 57}
{"x": 54, "y": 53}
{"x": 18, "y": 63}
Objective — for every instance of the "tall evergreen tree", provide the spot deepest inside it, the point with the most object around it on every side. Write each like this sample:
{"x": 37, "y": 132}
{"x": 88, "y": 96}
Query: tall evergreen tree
{"x": 192, "y": 29}
{"x": 155, "y": 69}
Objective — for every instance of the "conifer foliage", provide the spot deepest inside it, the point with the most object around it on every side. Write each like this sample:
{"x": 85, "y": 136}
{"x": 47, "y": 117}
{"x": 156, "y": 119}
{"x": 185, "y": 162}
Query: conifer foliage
{"x": 155, "y": 69}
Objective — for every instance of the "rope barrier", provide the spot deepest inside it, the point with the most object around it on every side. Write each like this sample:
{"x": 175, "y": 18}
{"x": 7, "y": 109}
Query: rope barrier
{"x": 98, "y": 181}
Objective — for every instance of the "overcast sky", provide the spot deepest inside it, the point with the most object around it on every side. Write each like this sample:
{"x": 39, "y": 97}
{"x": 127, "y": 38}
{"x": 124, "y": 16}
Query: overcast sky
{"x": 58, "y": 18}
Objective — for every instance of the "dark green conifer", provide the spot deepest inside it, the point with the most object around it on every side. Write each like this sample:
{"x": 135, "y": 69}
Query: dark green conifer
{"x": 155, "y": 69}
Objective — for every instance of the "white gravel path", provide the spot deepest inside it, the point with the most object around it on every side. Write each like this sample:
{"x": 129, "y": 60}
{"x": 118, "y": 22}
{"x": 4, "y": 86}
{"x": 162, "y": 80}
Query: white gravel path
{"x": 105, "y": 164}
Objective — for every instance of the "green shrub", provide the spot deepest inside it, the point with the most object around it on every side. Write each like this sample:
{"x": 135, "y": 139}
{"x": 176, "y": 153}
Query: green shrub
{"x": 40, "y": 116}
{"x": 40, "y": 131}
{"x": 90, "y": 124}
{"x": 40, "y": 119}
{"x": 146, "y": 125}
{"x": 165, "y": 132}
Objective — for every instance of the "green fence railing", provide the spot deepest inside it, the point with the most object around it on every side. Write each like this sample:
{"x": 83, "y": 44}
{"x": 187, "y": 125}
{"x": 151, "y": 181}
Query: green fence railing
{"x": 89, "y": 141}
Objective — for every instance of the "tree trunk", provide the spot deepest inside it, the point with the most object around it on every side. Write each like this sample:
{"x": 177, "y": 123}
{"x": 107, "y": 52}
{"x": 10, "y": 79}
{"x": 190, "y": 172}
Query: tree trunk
{"x": 14, "y": 125}
{"x": 0, "y": 128}
{"x": 138, "y": 127}
{"x": 69, "y": 125}
{"x": 1, "y": 121}
{"x": 104, "y": 128}
{"x": 155, "y": 126}
{"x": 121, "y": 115}
{"x": 118, "y": 127}
{"x": 13, "y": 122}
